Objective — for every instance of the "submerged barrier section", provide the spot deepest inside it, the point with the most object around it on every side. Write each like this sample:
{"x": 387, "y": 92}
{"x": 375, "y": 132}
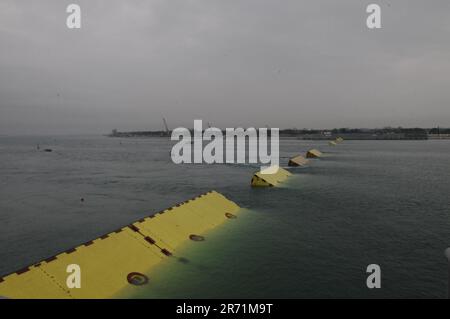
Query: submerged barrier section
{"x": 314, "y": 154}
{"x": 268, "y": 180}
{"x": 121, "y": 259}
{"x": 298, "y": 161}
{"x": 332, "y": 143}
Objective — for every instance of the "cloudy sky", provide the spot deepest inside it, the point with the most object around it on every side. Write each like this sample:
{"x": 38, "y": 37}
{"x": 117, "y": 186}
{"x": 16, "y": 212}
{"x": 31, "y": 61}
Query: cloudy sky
{"x": 305, "y": 64}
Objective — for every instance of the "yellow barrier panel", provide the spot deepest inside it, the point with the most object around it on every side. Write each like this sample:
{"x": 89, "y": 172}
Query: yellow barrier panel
{"x": 105, "y": 264}
{"x": 332, "y": 143}
{"x": 339, "y": 139}
{"x": 172, "y": 227}
{"x": 268, "y": 180}
{"x": 32, "y": 283}
{"x": 298, "y": 161}
{"x": 120, "y": 259}
{"x": 313, "y": 154}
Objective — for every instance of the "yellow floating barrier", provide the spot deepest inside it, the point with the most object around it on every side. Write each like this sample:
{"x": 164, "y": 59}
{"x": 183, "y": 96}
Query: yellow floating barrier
{"x": 313, "y": 154}
{"x": 339, "y": 139}
{"x": 270, "y": 177}
{"x": 332, "y": 143}
{"x": 298, "y": 161}
{"x": 172, "y": 227}
{"x": 120, "y": 260}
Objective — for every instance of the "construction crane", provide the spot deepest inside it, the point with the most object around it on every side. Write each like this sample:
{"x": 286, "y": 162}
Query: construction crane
{"x": 166, "y": 127}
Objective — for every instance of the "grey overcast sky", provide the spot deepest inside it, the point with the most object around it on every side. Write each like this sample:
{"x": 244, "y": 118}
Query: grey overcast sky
{"x": 305, "y": 64}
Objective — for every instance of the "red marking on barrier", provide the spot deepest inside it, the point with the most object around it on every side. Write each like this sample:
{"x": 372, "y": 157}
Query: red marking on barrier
{"x": 19, "y": 272}
{"x": 104, "y": 236}
{"x": 133, "y": 228}
{"x": 166, "y": 252}
{"x": 1, "y": 279}
{"x": 150, "y": 240}
{"x": 50, "y": 259}
{"x": 69, "y": 251}
{"x": 88, "y": 243}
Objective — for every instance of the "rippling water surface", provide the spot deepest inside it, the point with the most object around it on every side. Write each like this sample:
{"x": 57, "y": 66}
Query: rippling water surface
{"x": 383, "y": 202}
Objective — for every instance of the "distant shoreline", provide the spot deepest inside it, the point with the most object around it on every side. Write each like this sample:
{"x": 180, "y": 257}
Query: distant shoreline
{"x": 347, "y": 134}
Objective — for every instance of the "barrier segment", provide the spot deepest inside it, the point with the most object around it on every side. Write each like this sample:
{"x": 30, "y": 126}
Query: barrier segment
{"x": 104, "y": 262}
{"x": 270, "y": 180}
{"x": 33, "y": 283}
{"x": 112, "y": 262}
{"x": 172, "y": 227}
{"x": 298, "y": 161}
{"x": 314, "y": 154}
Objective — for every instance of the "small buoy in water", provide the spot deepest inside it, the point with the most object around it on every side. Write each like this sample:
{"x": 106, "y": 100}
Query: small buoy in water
{"x": 48, "y": 150}
{"x": 82, "y": 199}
